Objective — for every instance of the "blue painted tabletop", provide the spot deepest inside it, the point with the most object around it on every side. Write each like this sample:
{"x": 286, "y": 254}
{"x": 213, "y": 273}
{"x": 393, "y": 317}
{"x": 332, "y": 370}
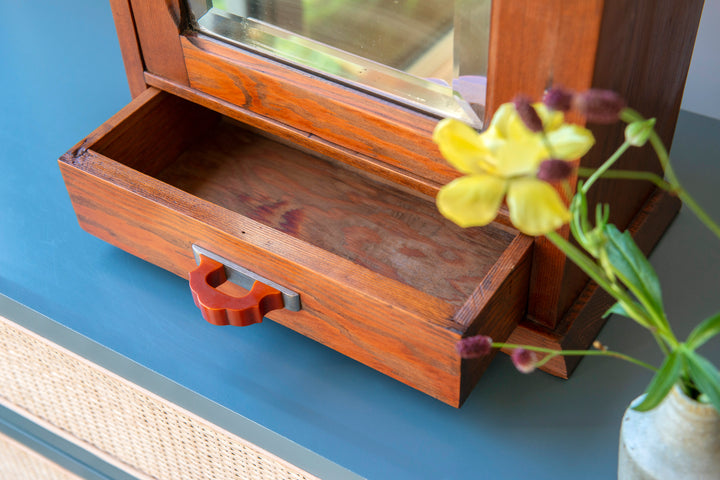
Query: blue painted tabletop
{"x": 62, "y": 75}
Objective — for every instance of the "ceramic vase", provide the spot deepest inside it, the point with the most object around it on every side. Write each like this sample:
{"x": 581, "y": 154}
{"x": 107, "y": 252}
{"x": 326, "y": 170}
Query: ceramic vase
{"x": 679, "y": 439}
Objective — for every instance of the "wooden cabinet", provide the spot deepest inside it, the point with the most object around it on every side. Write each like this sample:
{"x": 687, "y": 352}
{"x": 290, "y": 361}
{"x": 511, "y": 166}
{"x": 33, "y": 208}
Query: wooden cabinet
{"x": 328, "y": 191}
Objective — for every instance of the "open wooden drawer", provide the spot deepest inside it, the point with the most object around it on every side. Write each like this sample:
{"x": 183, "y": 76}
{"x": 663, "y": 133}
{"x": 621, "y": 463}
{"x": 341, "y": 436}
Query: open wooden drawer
{"x": 382, "y": 277}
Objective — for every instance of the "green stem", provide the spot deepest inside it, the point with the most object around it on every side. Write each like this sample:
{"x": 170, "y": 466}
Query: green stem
{"x": 673, "y": 180}
{"x": 698, "y": 211}
{"x": 605, "y": 166}
{"x": 663, "y": 346}
{"x": 630, "y": 175}
{"x": 629, "y": 115}
{"x": 588, "y": 353}
{"x": 664, "y": 158}
{"x": 596, "y": 273}
{"x": 658, "y": 328}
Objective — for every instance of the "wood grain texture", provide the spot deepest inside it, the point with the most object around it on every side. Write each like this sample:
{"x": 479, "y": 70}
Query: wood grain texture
{"x": 158, "y": 225}
{"x": 642, "y": 50}
{"x": 158, "y": 24}
{"x": 553, "y": 42}
{"x": 359, "y": 122}
{"x": 151, "y": 148}
{"x": 501, "y": 297}
{"x": 368, "y": 312}
{"x": 129, "y": 47}
{"x": 644, "y": 53}
{"x": 303, "y": 140}
{"x": 534, "y": 45}
{"x": 508, "y": 274}
{"x": 327, "y": 205}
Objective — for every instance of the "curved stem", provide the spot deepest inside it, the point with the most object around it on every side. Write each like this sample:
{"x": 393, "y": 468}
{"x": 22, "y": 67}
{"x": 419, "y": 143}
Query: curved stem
{"x": 684, "y": 196}
{"x": 631, "y": 175}
{"x": 587, "y": 353}
{"x": 605, "y": 166}
{"x": 592, "y": 270}
{"x": 657, "y": 326}
{"x": 629, "y": 115}
{"x": 699, "y": 212}
{"x": 663, "y": 346}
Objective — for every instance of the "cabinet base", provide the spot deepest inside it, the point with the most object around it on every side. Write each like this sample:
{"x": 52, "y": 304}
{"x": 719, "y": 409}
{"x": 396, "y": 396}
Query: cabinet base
{"x": 584, "y": 320}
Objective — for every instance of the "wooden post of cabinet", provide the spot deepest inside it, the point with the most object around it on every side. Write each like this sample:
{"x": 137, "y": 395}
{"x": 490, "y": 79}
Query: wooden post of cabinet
{"x": 129, "y": 47}
{"x": 640, "y": 49}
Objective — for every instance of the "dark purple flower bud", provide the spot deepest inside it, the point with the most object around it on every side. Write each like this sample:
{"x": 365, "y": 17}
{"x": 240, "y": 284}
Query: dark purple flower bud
{"x": 599, "y": 106}
{"x": 554, "y": 170}
{"x": 527, "y": 113}
{"x": 524, "y": 360}
{"x": 473, "y": 347}
{"x": 558, "y": 99}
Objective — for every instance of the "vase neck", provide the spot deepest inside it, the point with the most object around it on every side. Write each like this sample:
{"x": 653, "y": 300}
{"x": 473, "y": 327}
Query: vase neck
{"x": 681, "y": 419}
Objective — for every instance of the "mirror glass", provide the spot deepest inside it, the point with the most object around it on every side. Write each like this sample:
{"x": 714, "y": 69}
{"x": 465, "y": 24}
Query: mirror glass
{"x": 427, "y": 54}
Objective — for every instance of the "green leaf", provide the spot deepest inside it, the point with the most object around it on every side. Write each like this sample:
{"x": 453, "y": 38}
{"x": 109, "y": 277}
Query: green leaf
{"x": 634, "y": 269}
{"x": 661, "y": 383}
{"x": 704, "y": 332}
{"x": 705, "y": 377}
{"x": 619, "y": 309}
{"x": 579, "y": 224}
{"x": 616, "y": 309}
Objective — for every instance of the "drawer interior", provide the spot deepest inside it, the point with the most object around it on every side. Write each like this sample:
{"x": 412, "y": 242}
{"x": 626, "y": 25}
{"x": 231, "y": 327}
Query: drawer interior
{"x": 389, "y": 230}
{"x": 383, "y": 277}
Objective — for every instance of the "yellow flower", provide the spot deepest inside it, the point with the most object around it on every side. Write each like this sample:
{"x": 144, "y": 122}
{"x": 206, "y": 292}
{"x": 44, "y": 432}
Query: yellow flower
{"x": 503, "y": 162}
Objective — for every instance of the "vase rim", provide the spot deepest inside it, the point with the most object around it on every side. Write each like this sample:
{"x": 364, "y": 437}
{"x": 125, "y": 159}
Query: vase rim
{"x": 690, "y": 404}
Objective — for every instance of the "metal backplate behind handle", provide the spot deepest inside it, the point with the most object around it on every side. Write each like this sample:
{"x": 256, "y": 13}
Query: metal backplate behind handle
{"x": 245, "y": 278}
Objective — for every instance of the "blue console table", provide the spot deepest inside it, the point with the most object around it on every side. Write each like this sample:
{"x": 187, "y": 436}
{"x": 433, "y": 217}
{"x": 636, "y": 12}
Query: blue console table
{"x": 328, "y": 415}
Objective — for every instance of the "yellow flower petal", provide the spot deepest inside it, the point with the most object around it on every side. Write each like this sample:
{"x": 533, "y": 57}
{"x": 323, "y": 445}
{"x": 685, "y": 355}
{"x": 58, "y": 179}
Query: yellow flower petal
{"x": 462, "y": 146}
{"x": 492, "y": 140}
{"x": 551, "y": 119}
{"x": 535, "y": 207}
{"x": 521, "y": 157}
{"x": 570, "y": 141}
{"x": 503, "y": 117}
{"x": 509, "y": 125}
{"x": 471, "y": 201}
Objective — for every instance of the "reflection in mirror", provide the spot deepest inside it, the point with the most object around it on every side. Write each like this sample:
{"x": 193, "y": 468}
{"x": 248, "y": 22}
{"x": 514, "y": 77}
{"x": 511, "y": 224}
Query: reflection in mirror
{"x": 428, "y": 54}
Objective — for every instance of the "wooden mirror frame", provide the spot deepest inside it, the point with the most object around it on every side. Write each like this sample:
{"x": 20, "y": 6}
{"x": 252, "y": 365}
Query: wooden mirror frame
{"x": 640, "y": 49}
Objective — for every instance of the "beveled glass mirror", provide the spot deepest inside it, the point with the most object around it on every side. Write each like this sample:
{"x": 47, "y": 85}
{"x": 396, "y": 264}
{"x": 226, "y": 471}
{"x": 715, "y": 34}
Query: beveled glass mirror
{"x": 429, "y": 54}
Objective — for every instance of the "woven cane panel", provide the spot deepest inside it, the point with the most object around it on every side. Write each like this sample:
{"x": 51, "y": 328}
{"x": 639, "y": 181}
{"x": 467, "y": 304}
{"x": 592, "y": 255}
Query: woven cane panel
{"x": 130, "y": 427}
{"x": 18, "y": 462}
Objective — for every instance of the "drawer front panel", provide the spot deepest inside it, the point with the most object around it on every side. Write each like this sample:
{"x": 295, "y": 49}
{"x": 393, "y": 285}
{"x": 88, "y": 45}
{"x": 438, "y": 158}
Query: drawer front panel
{"x": 395, "y": 342}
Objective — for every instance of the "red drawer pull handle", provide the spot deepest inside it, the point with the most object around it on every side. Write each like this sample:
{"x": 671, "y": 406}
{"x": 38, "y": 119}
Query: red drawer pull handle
{"x": 220, "y": 308}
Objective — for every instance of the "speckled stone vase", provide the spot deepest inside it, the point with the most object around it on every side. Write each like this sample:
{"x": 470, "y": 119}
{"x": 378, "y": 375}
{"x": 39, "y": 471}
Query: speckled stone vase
{"x": 680, "y": 439}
